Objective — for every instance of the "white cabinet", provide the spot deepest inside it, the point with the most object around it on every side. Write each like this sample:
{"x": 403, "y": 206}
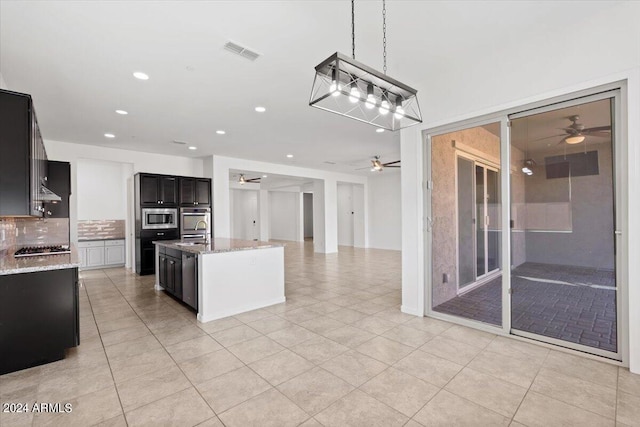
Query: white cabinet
{"x": 101, "y": 253}
{"x": 95, "y": 257}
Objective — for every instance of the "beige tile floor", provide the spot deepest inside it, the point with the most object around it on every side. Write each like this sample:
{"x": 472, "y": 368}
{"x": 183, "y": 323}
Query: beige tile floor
{"x": 339, "y": 352}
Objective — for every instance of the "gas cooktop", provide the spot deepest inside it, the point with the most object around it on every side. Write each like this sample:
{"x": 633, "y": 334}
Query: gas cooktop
{"x": 42, "y": 250}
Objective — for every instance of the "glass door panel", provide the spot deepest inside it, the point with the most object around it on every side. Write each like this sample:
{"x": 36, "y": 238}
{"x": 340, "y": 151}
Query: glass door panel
{"x": 563, "y": 276}
{"x": 480, "y": 222}
{"x": 465, "y": 224}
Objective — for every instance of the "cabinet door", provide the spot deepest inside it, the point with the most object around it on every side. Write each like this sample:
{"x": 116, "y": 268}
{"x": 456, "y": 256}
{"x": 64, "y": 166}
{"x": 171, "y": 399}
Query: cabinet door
{"x": 169, "y": 191}
{"x": 95, "y": 257}
{"x": 82, "y": 254}
{"x": 171, "y": 275}
{"x": 187, "y": 191}
{"x": 177, "y": 278}
{"x": 149, "y": 194}
{"x": 203, "y": 192}
{"x": 162, "y": 270}
{"x": 114, "y": 255}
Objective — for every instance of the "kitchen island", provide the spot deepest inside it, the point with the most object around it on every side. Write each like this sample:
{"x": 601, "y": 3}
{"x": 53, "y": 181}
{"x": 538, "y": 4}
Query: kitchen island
{"x": 39, "y": 308}
{"x": 222, "y": 278}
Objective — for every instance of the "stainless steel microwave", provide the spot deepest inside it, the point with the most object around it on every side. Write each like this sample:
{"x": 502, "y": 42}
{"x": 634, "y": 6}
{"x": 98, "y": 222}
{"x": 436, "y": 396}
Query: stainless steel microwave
{"x": 159, "y": 218}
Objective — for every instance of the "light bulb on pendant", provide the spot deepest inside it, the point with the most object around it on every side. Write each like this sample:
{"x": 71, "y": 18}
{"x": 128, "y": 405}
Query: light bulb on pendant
{"x": 354, "y": 93}
{"x": 371, "y": 100}
{"x": 399, "y": 113}
{"x": 335, "y": 88}
{"x": 384, "y": 107}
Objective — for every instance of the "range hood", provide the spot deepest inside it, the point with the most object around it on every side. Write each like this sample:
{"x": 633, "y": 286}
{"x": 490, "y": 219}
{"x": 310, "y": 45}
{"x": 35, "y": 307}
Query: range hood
{"x": 47, "y": 195}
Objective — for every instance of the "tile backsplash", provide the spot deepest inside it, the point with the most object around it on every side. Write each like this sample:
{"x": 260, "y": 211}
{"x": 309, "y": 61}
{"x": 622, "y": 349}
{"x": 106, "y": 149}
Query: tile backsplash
{"x": 33, "y": 232}
{"x": 101, "y": 229}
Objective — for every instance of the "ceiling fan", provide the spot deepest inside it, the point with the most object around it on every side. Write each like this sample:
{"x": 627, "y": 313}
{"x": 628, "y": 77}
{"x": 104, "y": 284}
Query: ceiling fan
{"x": 242, "y": 180}
{"x": 378, "y": 166}
{"x": 576, "y": 132}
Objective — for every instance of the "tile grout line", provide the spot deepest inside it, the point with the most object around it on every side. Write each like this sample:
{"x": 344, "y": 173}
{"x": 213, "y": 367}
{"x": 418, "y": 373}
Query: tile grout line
{"x": 105, "y": 350}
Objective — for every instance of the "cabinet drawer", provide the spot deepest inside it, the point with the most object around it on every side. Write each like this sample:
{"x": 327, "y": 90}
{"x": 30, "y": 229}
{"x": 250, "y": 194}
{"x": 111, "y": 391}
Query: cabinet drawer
{"x": 114, "y": 242}
{"x": 91, "y": 244}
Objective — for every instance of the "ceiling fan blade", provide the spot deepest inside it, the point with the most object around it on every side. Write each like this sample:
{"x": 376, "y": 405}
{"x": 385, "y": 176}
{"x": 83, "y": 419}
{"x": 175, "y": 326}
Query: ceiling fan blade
{"x": 252, "y": 180}
{"x": 600, "y": 134}
{"x": 548, "y": 137}
{"x": 392, "y": 166}
{"x": 597, "y": 129}
{"x": 391, "y": 163}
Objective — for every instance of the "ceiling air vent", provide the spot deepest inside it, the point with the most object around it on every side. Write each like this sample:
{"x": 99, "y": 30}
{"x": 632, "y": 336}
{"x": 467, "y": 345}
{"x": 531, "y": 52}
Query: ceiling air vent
{"x": 242, "y": 51}
{"x": 175, "y": 141}
{"x": 329, "y": 163}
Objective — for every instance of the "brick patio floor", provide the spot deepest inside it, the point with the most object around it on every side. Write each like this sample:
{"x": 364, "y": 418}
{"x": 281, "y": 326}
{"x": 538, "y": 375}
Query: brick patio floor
{"x": 583, "y": 313}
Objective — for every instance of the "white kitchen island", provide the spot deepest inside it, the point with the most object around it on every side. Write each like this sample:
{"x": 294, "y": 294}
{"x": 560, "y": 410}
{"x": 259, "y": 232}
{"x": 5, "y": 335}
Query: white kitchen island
{"x": 233, "y": 276}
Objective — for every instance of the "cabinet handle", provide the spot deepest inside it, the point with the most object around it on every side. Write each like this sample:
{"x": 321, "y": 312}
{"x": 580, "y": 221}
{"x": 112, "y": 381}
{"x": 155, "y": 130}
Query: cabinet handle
{"x": 160, "y": 234}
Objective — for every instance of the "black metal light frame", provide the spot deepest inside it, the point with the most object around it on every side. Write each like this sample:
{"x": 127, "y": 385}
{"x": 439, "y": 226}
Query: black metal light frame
{"x": 337, "y": 76}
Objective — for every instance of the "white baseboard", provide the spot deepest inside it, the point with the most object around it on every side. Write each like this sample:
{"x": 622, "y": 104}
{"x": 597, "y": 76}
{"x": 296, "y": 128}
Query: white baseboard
{"x": 411, "y": 310}
{"x": 238, "y": 310}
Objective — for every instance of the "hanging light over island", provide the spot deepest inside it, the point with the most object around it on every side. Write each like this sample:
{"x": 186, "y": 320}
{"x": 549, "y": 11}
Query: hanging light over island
{"x": 352, "y": 89}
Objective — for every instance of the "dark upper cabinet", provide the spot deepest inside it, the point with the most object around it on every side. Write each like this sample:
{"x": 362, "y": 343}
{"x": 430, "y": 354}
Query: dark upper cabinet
{"x": 59, "y": 181}
{"x": 23, "y": 163}
{"x": 195, "y": 192}
{"x": 203, "y": 192}
{"x": 169, "y": 190}
{"x": 158, "y": 190}
{"x": 187, "y": 191}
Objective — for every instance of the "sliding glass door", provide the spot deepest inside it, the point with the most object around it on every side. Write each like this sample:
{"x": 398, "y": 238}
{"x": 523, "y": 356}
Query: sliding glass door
{"x": 557, "y": 234}
{"x": 563, "y": 276}
{"x": 467, "y": 279}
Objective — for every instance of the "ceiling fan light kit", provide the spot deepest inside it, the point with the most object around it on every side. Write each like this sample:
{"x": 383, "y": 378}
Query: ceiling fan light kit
{"x": 352, "y": 89}
{"x": 577, "y": 139}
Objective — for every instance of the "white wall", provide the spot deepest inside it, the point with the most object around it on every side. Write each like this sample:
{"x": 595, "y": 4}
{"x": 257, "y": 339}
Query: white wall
{"x": 101, "y": 189}
{"x": 385, "y": 221}
{"x": 244, "y": 215}
{"x": 284, "y": 215}
{"x": 530, "y": 68}
{"x": 3, "y": 84}
{"x": 345, "y": 214}
{"x": 325, "y": 198}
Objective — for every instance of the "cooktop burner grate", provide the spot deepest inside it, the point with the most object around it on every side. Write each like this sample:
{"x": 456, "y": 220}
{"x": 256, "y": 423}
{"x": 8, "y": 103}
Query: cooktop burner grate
{"x": 42, "y": 250}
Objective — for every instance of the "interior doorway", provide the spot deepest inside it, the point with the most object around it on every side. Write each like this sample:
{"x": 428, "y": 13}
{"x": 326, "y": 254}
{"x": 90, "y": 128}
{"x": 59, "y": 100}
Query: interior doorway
{"x": 307, "y": 214}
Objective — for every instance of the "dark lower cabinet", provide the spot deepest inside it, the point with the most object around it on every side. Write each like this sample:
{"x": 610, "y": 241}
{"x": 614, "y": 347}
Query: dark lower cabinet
{"x": 177, "y": 274}
{"x": 39, "y": 317}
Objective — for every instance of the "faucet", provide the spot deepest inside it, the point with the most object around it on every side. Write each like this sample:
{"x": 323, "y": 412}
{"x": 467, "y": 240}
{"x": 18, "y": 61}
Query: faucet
{"x": 206, "y": 236}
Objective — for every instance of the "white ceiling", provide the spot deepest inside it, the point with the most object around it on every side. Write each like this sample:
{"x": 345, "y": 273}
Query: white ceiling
{"x": 77, "y": 59}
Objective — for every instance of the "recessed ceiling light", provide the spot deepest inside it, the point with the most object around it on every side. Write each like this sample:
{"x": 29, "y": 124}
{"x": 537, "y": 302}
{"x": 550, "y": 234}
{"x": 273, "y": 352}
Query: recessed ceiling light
{"x": 191, "y": 147}
{"x": 379, "y": 130}
{"x": 109, "y": 135}
{"x": 220, "y": 132}
{"x": 261, "y": 109}
{"x": 264, "y": 176}
{"x": 289, "y": 155}
{"x": 140, "y": 75}
{"x": 122, "y": 112}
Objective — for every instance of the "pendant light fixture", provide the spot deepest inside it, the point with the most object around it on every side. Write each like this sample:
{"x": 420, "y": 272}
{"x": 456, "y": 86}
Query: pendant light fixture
{"x": 341, "y": 82}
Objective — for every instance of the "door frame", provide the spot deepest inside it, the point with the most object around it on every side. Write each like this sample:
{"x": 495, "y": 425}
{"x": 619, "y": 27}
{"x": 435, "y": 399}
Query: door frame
{"x": 621, "y": 195}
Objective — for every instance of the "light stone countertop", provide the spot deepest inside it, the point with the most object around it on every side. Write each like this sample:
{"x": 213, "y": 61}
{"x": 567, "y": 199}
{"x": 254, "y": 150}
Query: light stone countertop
{"x": 99, "y": 239}
{"x": 11, "y": 265}
{"x": 218, "y": 245}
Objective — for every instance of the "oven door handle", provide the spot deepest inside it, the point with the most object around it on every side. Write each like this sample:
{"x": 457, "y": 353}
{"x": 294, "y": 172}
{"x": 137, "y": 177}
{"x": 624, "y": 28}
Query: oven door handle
{"x": 194, "y": 213}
